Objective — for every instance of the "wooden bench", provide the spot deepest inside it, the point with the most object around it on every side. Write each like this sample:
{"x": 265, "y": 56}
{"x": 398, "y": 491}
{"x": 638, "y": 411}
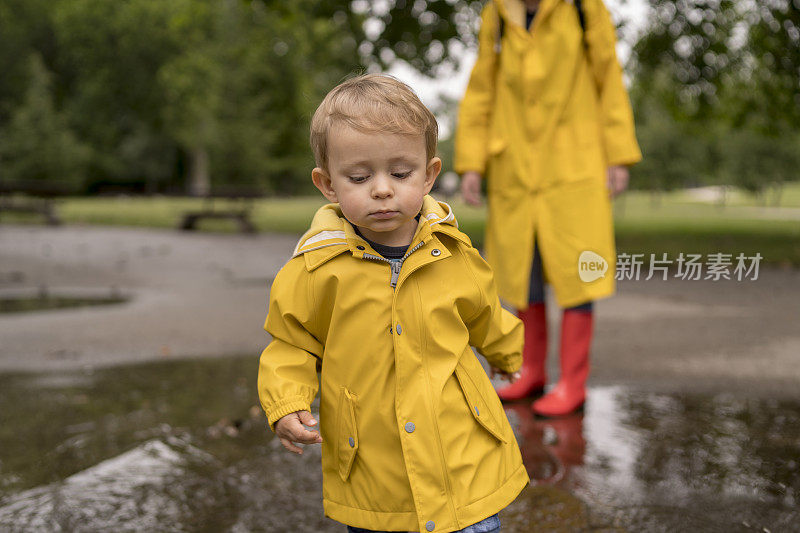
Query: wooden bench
{"x": 240, "y": 213}
{"x": 33, "y": 196}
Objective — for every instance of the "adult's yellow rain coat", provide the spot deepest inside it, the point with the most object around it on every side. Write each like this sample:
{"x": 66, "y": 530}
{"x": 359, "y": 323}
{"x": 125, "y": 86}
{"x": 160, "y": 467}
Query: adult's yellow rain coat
{"x": 414, "y": 436}
{"x": 545, "y": 113}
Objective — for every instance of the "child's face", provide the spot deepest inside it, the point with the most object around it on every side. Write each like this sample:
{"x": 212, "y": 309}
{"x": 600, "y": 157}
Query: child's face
{"x": 379, "y": 180}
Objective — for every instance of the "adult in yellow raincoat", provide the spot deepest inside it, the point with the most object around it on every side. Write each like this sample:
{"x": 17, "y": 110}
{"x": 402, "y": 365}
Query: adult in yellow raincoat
{"x": 547, "y": 120}
{"x": 410, "y": 410}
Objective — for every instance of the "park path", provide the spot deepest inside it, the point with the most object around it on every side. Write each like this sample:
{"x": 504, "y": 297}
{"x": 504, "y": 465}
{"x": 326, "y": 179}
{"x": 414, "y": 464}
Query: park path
{"x": 198, "y": 295}
{"x": 191, "y": 294}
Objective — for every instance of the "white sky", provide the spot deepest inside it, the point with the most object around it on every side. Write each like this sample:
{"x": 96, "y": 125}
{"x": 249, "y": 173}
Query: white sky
{"x": 454, "y": 84}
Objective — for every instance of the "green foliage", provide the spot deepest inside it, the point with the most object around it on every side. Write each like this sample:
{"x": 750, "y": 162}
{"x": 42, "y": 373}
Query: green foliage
{"x": 25, "y": 27}
{"x": 156, "y": 88}
{"x": 718, "y": 84}
{"x": 687, "y": 54}
{"x": 671, "y": 156}
{"x": 37, "y": 143}
{"x": 770, "y": 96}
{"x": 422, "y": 33}
{"x": 107, "y": 65}
{"x": 756, "y": 161}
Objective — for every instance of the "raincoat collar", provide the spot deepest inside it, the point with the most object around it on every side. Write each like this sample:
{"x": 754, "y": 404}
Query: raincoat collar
{"x": 332, "y": 234}
{"x": 514, "y": 10}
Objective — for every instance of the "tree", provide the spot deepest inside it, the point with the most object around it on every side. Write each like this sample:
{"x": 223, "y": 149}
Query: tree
{"x": 729, "y": 73}
{"x": 26, "y": 26}
{"x": 426, "y": 34}
{"x": 109, "y": 55}
{"x": 223, "y": 88}
{"x": 770, "y": 96}
{"x": 757, "y": 162}
{"x": 37, "y": 143}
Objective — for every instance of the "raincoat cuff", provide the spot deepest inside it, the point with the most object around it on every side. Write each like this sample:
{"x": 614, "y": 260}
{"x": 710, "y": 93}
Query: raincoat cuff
{"x": 289, "y": 405}
{"x": 475, "y": 165}
{"x": 622, "y": 154}
{"x": 509, "y": 364}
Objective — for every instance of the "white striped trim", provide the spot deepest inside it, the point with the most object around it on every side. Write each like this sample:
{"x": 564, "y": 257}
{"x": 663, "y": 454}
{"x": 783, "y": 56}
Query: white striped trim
{"x": 439, "y": 220}
{"x": 327, "y": 235}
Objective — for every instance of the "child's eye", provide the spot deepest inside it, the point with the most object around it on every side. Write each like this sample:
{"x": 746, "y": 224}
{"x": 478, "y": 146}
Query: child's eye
{"x": 401, "y": 174}
{"x": 358, "y": 179}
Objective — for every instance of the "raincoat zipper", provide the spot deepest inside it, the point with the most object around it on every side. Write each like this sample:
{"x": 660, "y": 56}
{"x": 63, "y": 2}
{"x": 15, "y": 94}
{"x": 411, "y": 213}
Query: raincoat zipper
{"x": 394, "y": 266}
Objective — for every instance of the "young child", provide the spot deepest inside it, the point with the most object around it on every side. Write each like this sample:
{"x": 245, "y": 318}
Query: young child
{"x": 384, "y": 296}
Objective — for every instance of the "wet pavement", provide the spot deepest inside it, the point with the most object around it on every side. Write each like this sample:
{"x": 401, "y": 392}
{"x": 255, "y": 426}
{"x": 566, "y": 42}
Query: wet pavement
{"x": 182, "y": 446}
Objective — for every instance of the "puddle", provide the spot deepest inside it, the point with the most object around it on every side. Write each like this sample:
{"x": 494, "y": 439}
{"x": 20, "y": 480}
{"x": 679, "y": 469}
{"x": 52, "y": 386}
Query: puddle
{"x": 182, "y": 446}
{"x": 659, "y": 462}
{"x": 28, "y": 304}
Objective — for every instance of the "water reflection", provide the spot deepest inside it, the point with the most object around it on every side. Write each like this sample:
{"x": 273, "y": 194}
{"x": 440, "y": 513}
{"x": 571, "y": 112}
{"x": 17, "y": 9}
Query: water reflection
{"x": 670, "y": 462}
{"x": 183, "y": 446}
{"x": 552, "y": 449}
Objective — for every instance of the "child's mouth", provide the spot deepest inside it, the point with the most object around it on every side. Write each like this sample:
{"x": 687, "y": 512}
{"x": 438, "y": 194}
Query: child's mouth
{"x": 383, "y": 214}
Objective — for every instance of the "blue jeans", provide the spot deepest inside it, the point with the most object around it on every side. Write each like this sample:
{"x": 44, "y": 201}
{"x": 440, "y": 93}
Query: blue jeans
{"x": 487, "y": 525}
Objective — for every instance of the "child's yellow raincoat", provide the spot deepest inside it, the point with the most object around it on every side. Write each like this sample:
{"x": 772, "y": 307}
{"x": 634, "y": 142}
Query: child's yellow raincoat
{"x": 543, "y": 119}
{"x": 414, "y": 436}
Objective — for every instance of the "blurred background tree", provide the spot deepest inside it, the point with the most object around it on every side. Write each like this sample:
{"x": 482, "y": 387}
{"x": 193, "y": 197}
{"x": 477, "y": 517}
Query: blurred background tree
{"x": 716, "y": 89}
{"x": 189, "y": 95}
{"x": 37, "y": 143}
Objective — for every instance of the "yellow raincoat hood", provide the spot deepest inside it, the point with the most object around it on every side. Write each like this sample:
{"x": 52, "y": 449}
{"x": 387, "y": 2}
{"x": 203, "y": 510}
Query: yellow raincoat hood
{"x": 414, "y": 436}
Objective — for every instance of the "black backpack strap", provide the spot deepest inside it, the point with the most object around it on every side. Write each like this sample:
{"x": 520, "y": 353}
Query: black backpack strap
{"x": 501, "y": 25}
{"x": 501, "y": 28}
{"x": 581, "y": 16}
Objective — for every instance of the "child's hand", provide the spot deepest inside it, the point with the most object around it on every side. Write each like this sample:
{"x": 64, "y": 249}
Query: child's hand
{"x": 289, "y": 430}
{"x": 511, "y": 378}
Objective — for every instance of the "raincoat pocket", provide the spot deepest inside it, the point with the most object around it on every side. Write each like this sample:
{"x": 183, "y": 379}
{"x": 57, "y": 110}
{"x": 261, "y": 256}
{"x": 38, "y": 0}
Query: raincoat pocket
{"x": 497, "y": 146}
{"x": 478, "y": 406}
{"x": 347, "y": 436}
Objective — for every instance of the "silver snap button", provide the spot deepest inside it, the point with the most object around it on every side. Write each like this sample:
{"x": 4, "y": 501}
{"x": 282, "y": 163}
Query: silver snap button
{"x": 436, "y": 252}
{"x": 410, "y": 427}
{"x": 360, "y": 247}
{"x": 352, "y": 442}
{"x": 430, "y": 525}
{"x": 399, "y": 330}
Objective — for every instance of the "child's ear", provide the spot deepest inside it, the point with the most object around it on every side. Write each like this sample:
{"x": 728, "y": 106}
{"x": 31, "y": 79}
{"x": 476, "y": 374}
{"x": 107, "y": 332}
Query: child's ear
{"x": 433, "y": 169}
{"x": 322, "y": 180}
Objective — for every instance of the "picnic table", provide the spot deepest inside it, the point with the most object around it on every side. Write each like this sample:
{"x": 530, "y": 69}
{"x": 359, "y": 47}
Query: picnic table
{"x": 33, "y": 196}
{"x": 240, "y": 212}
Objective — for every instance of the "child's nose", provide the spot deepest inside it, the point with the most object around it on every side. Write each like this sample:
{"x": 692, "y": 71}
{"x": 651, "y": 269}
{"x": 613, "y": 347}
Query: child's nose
{"x": 382, "y": 187}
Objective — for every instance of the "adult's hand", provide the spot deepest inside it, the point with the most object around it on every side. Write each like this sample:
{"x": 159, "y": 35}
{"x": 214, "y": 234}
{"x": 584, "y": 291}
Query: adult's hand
{"x": 618, "y": 178}
{"x": 471, "y": 187}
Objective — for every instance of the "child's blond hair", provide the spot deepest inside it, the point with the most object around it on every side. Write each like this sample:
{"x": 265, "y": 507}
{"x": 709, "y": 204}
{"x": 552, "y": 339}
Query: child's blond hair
{"x": 372, "y": 103}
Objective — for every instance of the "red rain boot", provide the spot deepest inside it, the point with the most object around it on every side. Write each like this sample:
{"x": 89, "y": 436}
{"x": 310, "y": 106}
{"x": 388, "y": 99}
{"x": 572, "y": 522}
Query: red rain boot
{"x": 534, "y": 353}
{"x": 570, "y": 392}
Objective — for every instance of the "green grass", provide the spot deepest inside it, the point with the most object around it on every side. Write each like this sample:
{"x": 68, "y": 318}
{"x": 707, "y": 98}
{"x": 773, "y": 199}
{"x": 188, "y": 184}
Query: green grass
{"x": 789, "y": 197}
{"x": 673, "y": 225}
{"x": 668, "y": 223}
